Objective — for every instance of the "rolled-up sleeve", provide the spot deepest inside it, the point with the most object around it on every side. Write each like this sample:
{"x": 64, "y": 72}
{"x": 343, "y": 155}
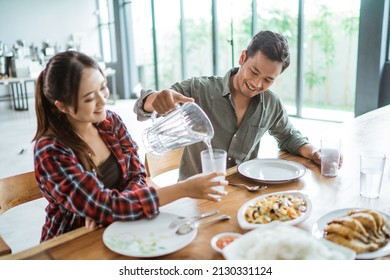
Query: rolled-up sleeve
{"x": 138, "y": 109}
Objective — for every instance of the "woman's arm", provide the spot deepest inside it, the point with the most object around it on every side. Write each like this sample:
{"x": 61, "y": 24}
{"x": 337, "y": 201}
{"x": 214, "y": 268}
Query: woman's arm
{"x": 198, "y": 186}
{"x": 63, "y": 180}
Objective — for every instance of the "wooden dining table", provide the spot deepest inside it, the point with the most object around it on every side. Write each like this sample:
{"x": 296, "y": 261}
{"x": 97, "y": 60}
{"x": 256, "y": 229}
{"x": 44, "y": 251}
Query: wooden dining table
{"x": 327, "y": 194}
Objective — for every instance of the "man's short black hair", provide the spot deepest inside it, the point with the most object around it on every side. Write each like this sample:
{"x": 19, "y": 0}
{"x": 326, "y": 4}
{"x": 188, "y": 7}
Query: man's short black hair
{"x": 272, "y": 45}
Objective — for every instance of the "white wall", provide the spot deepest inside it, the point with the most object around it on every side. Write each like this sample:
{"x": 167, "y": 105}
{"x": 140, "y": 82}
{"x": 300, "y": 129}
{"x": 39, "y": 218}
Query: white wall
{"x": 35, "y": 21}
{"x": 38, "y": 20}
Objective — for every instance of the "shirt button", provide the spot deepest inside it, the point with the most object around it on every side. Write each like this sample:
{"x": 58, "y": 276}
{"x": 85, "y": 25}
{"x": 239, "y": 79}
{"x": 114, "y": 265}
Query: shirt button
{"x": 230, "y": 159}
{"x": 235, "y": 135}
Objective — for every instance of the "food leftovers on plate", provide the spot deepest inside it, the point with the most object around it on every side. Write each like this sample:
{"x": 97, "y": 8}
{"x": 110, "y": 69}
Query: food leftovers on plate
{"x": 362, "y": 230}
{"x": 281, "y": 207}
{"x": 284, "y": 242}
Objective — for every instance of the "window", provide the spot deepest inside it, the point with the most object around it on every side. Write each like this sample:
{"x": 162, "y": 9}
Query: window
{"x": 107, "y": 30}
{"x": 234, "y": 32}
{"x": 167, "y": 16}
{"x": 324, "y": 32}
{"x": 143, "y": 42}
{"x": 388, "y": 36}
{"x": 282, "y": 17}
{"x": 331, "y": 32}
{"x": 198, "y": 45}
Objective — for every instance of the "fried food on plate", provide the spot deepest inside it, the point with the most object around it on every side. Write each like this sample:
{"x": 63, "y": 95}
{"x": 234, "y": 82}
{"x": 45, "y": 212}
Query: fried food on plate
{"x": 356, "y": 245}
{"x": 345, "y": 231}
{"x": 352, "y": 223}
{"x": 380, "y": 220}
{"x": 361, "y": 230}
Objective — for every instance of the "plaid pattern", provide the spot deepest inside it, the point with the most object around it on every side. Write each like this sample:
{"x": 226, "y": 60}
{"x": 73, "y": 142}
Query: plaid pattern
{"x": 74, "y": 193}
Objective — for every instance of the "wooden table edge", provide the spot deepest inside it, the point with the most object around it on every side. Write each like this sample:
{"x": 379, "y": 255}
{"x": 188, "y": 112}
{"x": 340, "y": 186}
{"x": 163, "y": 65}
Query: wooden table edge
{"x": 29, "y": 253}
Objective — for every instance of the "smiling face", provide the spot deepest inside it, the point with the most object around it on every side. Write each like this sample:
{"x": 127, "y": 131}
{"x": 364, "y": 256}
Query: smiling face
{"x": 92, "y": 98}
{"x": 255, "y": 75}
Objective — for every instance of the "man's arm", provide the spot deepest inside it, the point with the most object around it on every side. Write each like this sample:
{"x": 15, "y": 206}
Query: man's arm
{"x": 310, "y": 152}
{"x": 164, "y": 101}
{"x": 161, "y": 101}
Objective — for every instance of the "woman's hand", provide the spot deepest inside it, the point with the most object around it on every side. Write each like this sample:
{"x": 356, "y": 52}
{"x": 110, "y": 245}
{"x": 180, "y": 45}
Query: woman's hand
{"x": 198, "y": 186}
{"x": 90, "y": 224}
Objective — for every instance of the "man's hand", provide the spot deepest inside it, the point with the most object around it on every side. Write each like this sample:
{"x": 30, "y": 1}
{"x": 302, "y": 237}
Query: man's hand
{"x": 312, "y": 153}
{"x": 164, "y": 101}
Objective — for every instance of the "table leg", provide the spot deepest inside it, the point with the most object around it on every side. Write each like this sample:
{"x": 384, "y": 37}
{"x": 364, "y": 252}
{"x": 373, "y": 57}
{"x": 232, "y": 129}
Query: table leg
{"x": 19, "y": 96}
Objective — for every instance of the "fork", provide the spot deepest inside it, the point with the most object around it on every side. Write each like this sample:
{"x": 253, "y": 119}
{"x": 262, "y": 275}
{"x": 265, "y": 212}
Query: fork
{"x": 249, "y": 188}
{"x": 191, "y": 225}
{"x": 181, "y": 220}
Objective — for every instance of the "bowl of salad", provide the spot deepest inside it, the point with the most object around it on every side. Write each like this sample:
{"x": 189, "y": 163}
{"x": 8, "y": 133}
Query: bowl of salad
{"x": 287, "y": 207}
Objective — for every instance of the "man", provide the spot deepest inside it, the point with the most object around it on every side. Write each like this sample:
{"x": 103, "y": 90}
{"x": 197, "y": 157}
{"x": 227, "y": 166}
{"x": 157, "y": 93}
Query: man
{"x": 240, "y": 106}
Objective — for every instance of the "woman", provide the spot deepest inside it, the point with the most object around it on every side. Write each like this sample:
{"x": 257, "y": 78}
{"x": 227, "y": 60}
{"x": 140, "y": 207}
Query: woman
{"x": 86, "y": 163}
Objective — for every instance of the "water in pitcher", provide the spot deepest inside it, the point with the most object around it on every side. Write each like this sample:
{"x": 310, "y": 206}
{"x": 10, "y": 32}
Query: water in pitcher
{"x": 186, "y": 125}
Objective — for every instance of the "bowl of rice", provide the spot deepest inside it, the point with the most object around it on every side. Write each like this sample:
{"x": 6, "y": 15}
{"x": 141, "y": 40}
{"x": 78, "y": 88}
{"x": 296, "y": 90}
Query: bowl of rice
{"x": 284, "y": 242}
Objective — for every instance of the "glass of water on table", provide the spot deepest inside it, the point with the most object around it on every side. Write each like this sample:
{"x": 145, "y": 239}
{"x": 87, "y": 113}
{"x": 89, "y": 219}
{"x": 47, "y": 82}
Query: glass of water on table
{"x": 214, "y": 160}
{"x": 330, "y": 157}
{"x": 372, "y": 164}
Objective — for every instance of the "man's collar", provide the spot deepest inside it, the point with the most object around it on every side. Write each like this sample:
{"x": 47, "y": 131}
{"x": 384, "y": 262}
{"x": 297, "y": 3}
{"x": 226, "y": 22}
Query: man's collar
{"x": 226, "y": 81}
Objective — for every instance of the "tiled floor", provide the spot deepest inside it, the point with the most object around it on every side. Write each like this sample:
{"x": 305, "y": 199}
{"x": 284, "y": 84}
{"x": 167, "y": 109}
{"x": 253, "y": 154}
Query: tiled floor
{"x": 18, "y": 128}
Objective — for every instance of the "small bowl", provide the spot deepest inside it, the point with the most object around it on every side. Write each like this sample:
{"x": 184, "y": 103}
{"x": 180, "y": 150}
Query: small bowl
{"x": 222, "y": 240}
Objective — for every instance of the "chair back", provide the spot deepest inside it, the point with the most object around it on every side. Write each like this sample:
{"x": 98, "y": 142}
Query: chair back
{"x": 157, "y": 165}
{"x": 18, "y": 189}
{"x": 15, "y": 190}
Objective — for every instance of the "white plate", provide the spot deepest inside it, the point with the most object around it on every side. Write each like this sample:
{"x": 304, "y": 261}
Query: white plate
{"x": 213, "y": 241}
{"x": 272, "y": 171}
{"x": 245, "y": 225}
{"x": 318, "y": 231}
{"x": 146, "y": 238}
{"x": 279, "y": 234}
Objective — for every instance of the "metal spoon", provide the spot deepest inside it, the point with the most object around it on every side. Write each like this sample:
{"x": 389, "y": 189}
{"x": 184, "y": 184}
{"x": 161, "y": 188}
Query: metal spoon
{"x": 191, "y": 225}
{"x": 182, "y": 220}
{"x": 249, "y": 188}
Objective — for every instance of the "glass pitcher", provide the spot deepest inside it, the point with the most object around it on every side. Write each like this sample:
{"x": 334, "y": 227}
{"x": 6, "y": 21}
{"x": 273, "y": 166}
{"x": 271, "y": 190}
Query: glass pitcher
{"x": 185, "y": 125}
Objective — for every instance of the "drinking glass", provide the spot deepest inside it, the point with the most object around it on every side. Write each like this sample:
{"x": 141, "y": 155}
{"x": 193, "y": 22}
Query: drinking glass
{"x": 372, "y": 164}
{"x": 330, "y": 157}
{"x": 214, "y": 160}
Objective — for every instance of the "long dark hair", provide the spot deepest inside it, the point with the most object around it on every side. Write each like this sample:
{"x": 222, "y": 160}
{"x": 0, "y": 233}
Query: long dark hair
{"x": 60, "y": 80}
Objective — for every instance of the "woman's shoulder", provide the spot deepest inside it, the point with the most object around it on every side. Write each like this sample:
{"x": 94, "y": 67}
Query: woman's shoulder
{"x": 50, "y": 146}
{"x": 48, "y": 140}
